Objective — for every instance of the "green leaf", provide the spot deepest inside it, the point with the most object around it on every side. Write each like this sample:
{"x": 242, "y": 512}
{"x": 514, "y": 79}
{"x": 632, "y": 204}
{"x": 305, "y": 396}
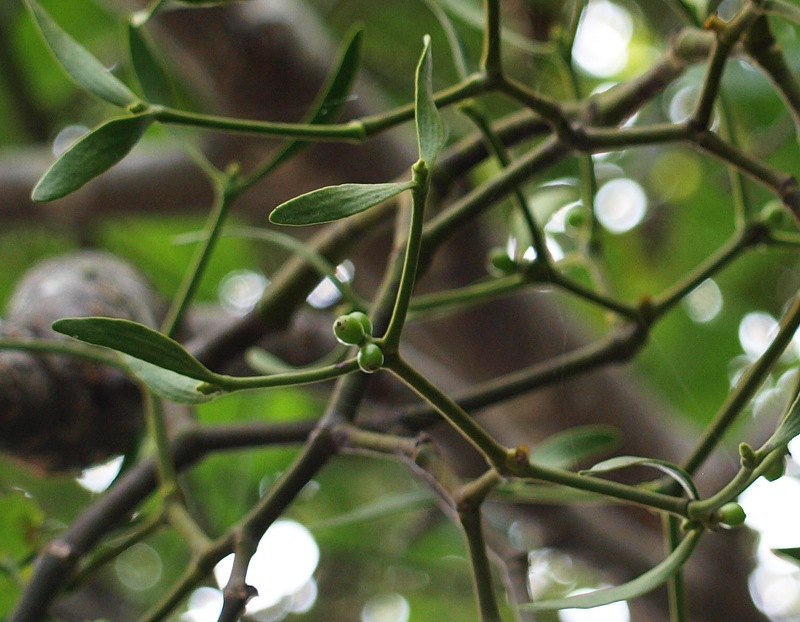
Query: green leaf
{"x": 84, "y": 68}
{"x": 633, "y": 589}
{"x": 150, "y": 70}
{"x": 137, "y": 341}
{"x": 92, "y": 155}
{"x": 624, "y": 462}
{"x": 792, "y": 554}
{"x": 332, "y": 97}
{"x": 430, "y": 130}
{"x": 335, "y": 202}
{"x": 169, "y": 384}
{"x": 571, "y": 447}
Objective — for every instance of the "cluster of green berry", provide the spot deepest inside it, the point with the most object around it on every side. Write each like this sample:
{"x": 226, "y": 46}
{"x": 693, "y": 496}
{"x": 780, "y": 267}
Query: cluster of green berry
{"x": 355, "y": 329}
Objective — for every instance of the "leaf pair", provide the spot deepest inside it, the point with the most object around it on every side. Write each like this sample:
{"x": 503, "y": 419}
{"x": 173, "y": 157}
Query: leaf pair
{"x": 107, "y": 144}
{"x": 158, "y": 361}
{"x": 112, "y": 141}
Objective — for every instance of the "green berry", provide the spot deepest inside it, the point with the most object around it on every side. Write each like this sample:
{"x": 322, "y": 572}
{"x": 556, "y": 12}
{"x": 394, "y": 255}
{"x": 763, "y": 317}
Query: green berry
{"x": 500, "y": 263}
{"x": 370, "y": 358}
{"x": 731, "y": 514}
{"x": 348, "y": 330}
{"x": 366, "y": 323}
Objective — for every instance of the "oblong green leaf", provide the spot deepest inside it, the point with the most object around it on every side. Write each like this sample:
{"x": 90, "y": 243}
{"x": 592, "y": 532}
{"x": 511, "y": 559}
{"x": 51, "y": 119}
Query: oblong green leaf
{"x": 332, "y": 97}
{"x": 570, "y": 447}
{"x": 335, "y": 92}
{"x": 92, "y": 155}
{"x": 624, "y": 462}
{"x": 335, "y": 202}
{"x": 633, "y": 589}
{"x": 169, "y": 384}
{"x": 430, "y": 130}
{"x": 82, "y": 66}
{"x": 135, "y": 340}
{"x": 149, "y": 69}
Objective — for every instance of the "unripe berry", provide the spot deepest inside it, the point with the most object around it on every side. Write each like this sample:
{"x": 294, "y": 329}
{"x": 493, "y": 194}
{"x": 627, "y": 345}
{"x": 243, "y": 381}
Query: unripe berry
{"x": 370, "y": 358}
{"x": 348, "y": 330}
{"x": 500, "y": 263}
{"x": 731, "y": 514}
{"x": 366, "y": 323}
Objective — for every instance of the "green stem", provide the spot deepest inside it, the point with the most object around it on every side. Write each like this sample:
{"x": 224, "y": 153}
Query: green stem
{"x": 180, "y": 519}
{"x": 546, "y": 154}
{"x": 606, "y": 302}
{"x": 469, "y": 513}
{"x": 495, "y": 453}
{"x": 158, "y": 432}
{"x": 618, "y": 347}
{"x": 728, "y": 34}
{"x": 740, "y": 204}
{"x": 747, "y": 387}
{"x": 549, "y": 109}
{"x": 637, "y": 496}
{"x": 732, "y": 249}
{"x": 762, "y": 46}
{"x": 419, "y": 194}
{"x": 308, "y": 376}
{"x": 352, "y": 131}
{"x": 495, "y": 145}
{"x": 675, "y": 584}
{"x": 469, "y": 295}
{"x": 491, "y": 57}
{"x": 223, "y": 199}
{"x": 606, "y": 139}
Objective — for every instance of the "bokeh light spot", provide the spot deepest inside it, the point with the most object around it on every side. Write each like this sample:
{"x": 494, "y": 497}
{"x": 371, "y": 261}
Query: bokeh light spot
{"x": 756, "y": 332}
{"x": 390, "y": 607}
{"x": 620, "y": 205}
{"x": 704, "y": 303}
{"x": 99, "y": 477}
{"x": 139, "y": 567}
{"x": 283, "y": 564}
{"x": 326, "y": 293}
{"x": 602, "y": 39}
{"x": 240, "y": 290}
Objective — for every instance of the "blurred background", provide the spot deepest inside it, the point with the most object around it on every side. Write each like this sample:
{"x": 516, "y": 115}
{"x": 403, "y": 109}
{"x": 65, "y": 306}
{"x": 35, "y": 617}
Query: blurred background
{"x": 366, "y": 540}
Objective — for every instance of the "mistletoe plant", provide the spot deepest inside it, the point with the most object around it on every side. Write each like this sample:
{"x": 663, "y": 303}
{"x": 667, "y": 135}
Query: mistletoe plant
{"x": 371, "y": 333}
